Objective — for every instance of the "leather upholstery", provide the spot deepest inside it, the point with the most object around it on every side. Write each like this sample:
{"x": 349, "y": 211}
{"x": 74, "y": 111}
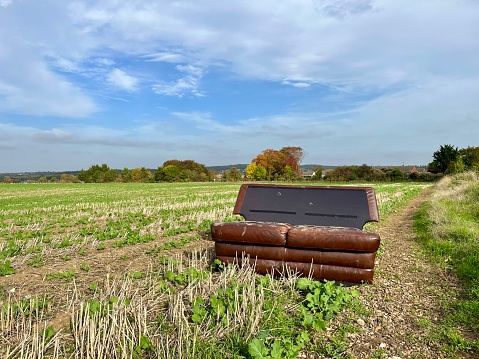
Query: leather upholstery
{"x": 317, "y": 271}
{"x": 338, "y": 258}
{"x": 323, "y": 237}
{"x": 267, "y": 233}
{"x": 333, "y": 238}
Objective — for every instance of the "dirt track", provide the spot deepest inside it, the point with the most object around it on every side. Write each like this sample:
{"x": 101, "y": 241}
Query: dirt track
{"x": 404, "y": 301}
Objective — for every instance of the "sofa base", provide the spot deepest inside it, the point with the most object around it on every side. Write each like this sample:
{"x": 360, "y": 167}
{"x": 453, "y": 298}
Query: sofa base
{"x": 317, "y": 271}
{"x": 336, "y": 258}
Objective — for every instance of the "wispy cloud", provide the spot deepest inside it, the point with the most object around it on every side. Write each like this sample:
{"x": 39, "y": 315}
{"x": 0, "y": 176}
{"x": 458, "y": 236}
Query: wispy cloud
{"x": 120, "y": 79}
{"x": 172, "y": 57}
{"x": 186, "y": 85}
{"x": 343, "y": 8}
{"x": 53, "y": 136}
{"x": 5, "y": 3}
{"x": 296, "y": 84}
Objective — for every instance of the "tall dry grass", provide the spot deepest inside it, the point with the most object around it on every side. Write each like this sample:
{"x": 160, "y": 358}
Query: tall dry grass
{"x": 448, "y": 227}
{"x": 449, "y": 204}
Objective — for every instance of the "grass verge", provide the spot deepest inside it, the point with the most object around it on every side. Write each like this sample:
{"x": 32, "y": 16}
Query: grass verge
{"x": 448, "y": 228}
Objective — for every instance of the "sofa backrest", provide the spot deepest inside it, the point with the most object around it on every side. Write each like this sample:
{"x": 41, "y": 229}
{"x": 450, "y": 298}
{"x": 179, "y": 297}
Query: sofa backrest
{"x": 341, "y": 206}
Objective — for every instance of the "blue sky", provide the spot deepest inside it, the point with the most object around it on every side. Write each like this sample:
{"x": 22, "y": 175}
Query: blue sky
{"x": 136, "y": 83}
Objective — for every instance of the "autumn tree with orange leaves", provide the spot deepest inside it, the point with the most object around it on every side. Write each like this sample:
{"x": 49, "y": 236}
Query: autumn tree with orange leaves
{"x": 280, "y": 165}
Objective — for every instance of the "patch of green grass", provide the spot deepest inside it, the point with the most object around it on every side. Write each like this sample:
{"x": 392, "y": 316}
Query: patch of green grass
{"x": 448, "y": 229}
{"x": 68, "y": 275}
{"x": 36, "y": 261}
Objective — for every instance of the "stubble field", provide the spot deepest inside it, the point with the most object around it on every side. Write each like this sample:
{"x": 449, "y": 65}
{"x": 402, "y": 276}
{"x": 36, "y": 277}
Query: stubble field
{"x": 125, "y": 270}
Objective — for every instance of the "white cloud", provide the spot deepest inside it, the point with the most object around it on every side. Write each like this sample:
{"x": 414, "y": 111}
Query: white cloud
{"x": 5, "y": 3}
{"x": 392, "y": 72}
{"x": 101, "y": 61}
{"x": 171, "y": 57}
{"x": 190, "y": 70}
{"x": 122, "y": 80}
{"x": 28, "y": 85}
{"x": 296, "y": 84}
{"x": 179, "y": 88}
{"x": 363, "y": 44}
{"x": 188, "y": 84}
{"x": 343, "y": 8}
{"x": 36, "y": 91}
{"x": 66, "y": 65}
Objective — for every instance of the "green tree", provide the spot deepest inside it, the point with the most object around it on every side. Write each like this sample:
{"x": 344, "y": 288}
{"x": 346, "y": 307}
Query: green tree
{"x": 140, "y": 174}
{"x": 395, "y": 175}
{"x": 98, "y": 174}
{"x": 289, "y": 174}
{"x": 443, "y": 157}
{"x": 318, "y": 173}
{"x": 256, "y": 172}
{"x": 233, "y": 175}
{"x": 470, "y": 156}
{"x": 456, "y": 166}
{"x": 236, "y": 174}
{"x": 111, "y": 175}
{"x": 185, "y": 171}
{"x": 169, "y": 173}
{"x": 126, "y": 175}
{"x": 433, "y": 167}
{"x": 365, "y": 172}
{"x": 342, "y": 173}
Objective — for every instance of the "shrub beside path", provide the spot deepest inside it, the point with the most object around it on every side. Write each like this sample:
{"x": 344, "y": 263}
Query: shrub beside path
{"x": 404, "y": 302}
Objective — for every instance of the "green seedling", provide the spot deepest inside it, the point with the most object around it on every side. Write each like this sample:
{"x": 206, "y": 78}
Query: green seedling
{"x": 6, "y": 269}
{"x": 68, "y": 275}
{"x": 84, "y": 267}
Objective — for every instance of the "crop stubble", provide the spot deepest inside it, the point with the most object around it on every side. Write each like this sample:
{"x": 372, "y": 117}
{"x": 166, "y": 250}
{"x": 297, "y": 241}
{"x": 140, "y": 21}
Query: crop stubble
{"x": 62, "y": 239}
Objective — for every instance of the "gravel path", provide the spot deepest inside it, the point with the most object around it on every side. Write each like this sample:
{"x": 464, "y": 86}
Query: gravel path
{"x": 404, "y": 301}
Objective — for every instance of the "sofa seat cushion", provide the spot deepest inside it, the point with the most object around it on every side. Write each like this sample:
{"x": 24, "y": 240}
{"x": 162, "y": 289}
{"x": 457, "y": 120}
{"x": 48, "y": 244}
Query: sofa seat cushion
{"x": 332, "y": 238}
{"x": 266, "y": 233}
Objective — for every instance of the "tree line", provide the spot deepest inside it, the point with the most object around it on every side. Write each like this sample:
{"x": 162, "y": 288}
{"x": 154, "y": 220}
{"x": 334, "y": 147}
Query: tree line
{"x": 276, "y": 165}
{"x": 449, "y": 159}
{"x": 171, "y": 171}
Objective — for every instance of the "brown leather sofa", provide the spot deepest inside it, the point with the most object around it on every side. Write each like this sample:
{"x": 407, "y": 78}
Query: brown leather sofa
{"x": 313, "y": 230}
